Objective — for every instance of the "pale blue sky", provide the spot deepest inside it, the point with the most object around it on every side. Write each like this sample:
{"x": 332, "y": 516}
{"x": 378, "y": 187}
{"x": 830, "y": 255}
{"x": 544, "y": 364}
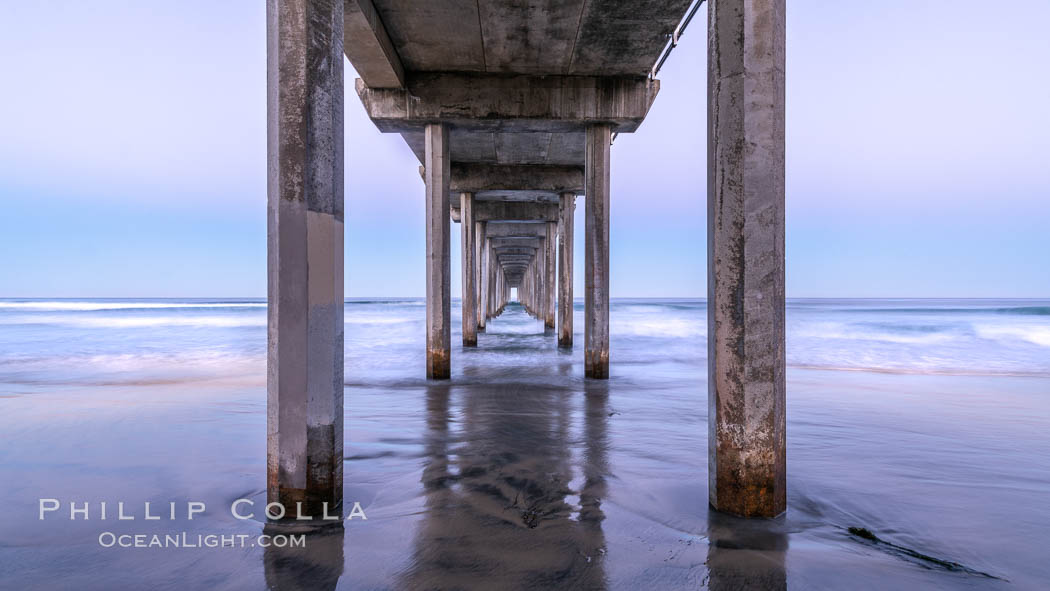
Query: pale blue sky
{"x": 132, "y": 157}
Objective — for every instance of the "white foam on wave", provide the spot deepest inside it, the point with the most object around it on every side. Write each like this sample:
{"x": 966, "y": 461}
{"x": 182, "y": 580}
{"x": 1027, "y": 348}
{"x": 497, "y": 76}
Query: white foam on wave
{"x": 1038, "y": 335}
{"x": 659, "y": 327}
{"x": 832, "y": 330}
{"x": 376, "y": 319}
{"x": 88, "y": 306}
{"x": 216, "y": 359}
{"x": 133, "y": 368}
{"x": 211, "y": 321}
{"x": 189, "y": 320}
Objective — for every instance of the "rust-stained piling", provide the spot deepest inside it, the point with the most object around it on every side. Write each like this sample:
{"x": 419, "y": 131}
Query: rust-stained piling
{"x": 746, "y": 342}
{"x": 304, "y": 401}
{"x": 596, "y": 282}
{"x": 566, "y": 214}
{"x": 470, "y": 314}
{"x": 439, "y": 295}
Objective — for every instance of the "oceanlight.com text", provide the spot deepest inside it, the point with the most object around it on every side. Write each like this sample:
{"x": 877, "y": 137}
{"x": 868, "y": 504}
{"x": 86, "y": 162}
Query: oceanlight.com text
{"x": 185, "y": 540}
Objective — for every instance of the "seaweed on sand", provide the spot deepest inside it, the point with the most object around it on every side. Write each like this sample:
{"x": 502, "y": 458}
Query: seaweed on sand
{"x": 867, "y": 534}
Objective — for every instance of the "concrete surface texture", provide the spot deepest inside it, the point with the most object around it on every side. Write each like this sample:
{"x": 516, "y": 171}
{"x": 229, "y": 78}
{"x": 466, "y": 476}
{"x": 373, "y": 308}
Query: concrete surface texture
{"x": 746, "y": 338}
{"x": 305, "y": 255}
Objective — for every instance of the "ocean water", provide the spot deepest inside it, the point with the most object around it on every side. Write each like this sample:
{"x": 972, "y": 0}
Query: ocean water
{"x": 923, "y": 421}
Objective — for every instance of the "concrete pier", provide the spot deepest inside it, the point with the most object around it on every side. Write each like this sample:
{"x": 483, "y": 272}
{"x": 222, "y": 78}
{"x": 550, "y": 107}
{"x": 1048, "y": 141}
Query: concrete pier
{"x": 566, "y": 215}
{"x": 439, "y": 294}
{"x": 304, "y": 404}
{"x": 746, "y": 340}
{"x": 470, "y": 314}
{"x": 596, "y": 281}
{"x": 508, "y": 135}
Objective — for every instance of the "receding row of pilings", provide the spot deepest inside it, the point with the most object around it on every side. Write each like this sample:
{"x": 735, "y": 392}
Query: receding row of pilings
{"x": 746, "y": 344}
{"x": 534, "y": 255}
{"x": 537, "y": 287}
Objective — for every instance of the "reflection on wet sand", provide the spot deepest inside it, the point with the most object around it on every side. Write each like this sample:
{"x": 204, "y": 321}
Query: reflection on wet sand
{"x": 745, "y": 553}
{"x": 316, "y": 565}
{"x": 507, "y": 506}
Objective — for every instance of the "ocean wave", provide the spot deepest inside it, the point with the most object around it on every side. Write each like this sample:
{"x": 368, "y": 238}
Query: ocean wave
{"x": 202, "y": 321}
{"x": 904, "y": 334}
{"x": 923, "y": 371}
{"x": 212, "y": 321}
{"x": 88, "y": 306}
{"x": 1038, "y": 335}
{"x": 133, "y": 368}
{"x": 659, "y": 327}
{"x": 377, "y": 319}
{"x": 383, "y": 302}
{"x": 1018, "y": 310}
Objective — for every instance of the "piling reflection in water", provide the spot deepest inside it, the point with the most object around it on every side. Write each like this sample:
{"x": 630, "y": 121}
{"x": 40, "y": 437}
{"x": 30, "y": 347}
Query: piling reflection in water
{"x": 315, "y": 565}
{"x": 745, "y": 553}
{"x": 506, "y": 505}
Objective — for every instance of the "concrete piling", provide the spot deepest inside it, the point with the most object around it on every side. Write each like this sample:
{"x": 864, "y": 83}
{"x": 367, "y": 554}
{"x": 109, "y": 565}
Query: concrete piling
{"x": 537, "y": 278}
{"x": 482, "y": 260}
{"x": 439, "y": 294}
{"x": 304, "y": 403}
{"x": 490, "y": 284}
{"x": 596, "y": 281}
{"x": 566, "y": 214}
{"x": 550, "y": 277}
{"x": 470, "y": 314}
{"x": 746, "y": 339}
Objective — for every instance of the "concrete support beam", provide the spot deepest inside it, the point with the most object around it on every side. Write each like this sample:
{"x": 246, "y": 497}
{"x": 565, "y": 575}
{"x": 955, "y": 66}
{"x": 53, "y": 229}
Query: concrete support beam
{"x": 493, "y": 102}
{"x": 369, "y": 47}
{"x": 516, "y": 229}
{"x": 503, "y": 242}
{"x": 596, "y": 282}
{"x": 486, "y": 211}
{"x": 476, "y": 177}
{"x": 566, "y": 215}
{"x": 304, "y": 402}
{"x": 550, "y": 275}
{"x": 514, "y": 250}
{"x": 746, "y": 339}
{"x": 470, "y": 313}
{"x": 439, "y": 294}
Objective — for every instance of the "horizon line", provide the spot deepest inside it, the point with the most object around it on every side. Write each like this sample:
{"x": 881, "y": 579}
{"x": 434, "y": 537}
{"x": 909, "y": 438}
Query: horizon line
{"x": 578, "y": 298}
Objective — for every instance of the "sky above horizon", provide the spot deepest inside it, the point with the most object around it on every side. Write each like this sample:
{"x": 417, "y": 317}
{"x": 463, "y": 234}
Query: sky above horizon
{"x": 133, "y": 158}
